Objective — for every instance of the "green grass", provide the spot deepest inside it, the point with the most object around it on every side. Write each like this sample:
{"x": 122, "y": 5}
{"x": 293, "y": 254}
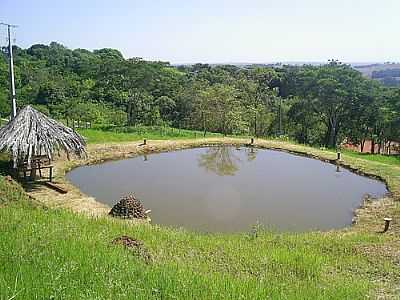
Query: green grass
{"x": 2, "y": 122}
{"x": 385, "y": 159}
{"x": 54, "y": 254}
{"x": 126, "y": 134}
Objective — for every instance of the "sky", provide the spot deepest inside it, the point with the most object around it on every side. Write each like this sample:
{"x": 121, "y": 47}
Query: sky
{"x": 219, "y": 31}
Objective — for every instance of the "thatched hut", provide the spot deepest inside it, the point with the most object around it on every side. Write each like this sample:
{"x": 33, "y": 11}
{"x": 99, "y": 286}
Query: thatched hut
{"x": 32, "y": 134}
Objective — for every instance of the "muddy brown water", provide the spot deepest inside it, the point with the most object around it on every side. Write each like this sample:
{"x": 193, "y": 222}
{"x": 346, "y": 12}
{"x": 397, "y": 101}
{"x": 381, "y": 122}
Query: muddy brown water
{"x": 230, "y": 189}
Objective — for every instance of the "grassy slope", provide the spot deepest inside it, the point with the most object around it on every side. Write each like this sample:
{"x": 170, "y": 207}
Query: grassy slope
{"x": 95, "y": 136}
{"x": 46, "y": 253}
{"x": 60, "y": 255}
{"x": 385, "y": 159}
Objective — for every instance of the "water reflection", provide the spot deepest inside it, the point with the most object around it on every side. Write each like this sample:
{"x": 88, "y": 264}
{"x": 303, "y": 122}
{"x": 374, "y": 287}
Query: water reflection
{"x": 338, "y": 172}
{"x": 277, "y": 189}
{"x": 251, "y": 153}
{"x": 224, "y": 161}
{"x": 220, "y": 160}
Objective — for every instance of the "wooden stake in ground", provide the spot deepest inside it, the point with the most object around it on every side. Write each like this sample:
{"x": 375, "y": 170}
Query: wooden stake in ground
{"x": 387, "y": 224}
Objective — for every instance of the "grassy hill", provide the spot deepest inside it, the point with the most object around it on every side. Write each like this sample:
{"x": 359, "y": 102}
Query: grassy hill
{"x": 56, "y": 254}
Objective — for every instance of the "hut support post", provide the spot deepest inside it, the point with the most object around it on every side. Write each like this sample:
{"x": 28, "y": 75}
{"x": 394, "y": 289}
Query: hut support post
{"x": 51, "y": 174}
{"x": 33, "y": 174}
{"x": 34, "y": 166}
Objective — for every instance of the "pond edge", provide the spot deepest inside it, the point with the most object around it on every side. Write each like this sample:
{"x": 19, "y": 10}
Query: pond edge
{"x": 99, "y": 153}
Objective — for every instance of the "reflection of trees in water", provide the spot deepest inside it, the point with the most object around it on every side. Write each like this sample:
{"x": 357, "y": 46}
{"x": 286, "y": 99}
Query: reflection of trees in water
{"x": 223, "y": 160}
{"x": 220, "y": 160}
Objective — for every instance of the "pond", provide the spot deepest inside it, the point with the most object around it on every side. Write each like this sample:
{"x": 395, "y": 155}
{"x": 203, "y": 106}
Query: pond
{"x": 230, "y": 189}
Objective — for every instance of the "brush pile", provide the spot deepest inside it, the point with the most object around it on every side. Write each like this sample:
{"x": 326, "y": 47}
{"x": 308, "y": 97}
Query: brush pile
{"x": 129, "y": 208}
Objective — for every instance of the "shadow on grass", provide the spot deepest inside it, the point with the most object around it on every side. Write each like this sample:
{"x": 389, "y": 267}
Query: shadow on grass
{"x": 32, "y": 186}
{"x": 6, "y": 169}
{"x": 5, "y": 165}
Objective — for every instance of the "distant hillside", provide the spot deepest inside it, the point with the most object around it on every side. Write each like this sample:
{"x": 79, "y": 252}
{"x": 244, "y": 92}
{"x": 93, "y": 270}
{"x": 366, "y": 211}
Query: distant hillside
{"x": 387, "y": 73}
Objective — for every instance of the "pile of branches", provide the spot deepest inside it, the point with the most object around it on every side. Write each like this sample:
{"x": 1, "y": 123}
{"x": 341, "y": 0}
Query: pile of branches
{"x": 128, "y": 208}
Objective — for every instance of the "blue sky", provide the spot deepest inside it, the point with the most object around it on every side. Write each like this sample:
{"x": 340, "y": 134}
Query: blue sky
{"x": 215, "y": 31}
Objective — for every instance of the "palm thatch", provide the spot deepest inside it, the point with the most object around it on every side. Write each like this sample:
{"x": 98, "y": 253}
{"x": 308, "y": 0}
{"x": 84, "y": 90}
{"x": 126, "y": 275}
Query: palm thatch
{"x": 32, "y": 133}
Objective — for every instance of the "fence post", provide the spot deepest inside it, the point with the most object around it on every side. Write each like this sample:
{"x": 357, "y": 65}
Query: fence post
{"x": 387, "y": 224}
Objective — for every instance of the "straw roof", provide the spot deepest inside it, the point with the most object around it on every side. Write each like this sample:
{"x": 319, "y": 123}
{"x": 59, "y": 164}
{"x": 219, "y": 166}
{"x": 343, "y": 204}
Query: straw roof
{"x": 32, "y": 133}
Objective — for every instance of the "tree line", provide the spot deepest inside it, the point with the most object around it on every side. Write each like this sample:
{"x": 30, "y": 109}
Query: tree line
{"x": 318, "y": 105}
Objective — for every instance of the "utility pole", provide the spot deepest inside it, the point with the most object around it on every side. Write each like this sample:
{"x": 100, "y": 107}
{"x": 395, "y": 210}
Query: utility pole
{"x": 280, "y": 116}
{"x": 11, "y": 64}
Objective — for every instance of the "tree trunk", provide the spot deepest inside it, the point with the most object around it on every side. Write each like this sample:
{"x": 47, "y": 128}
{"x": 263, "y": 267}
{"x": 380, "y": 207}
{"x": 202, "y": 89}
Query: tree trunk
{"x": 129, "y": 113}
{"x": 305, "y": 138}
{"x": 331, "y": 133}
{"x": 255, "y": 124}
{"x": 204, "y": 124}
{"x": 224, "y": 125}
{"x": 362, "y": 145}
{"x": 372, "y": 146}
{"x": 327, "y": 134}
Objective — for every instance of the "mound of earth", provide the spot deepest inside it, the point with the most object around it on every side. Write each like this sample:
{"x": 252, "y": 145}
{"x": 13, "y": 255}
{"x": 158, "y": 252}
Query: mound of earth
{"x": 134, "y": 245}
{"x": 127, "y": 241}
{"x": 128, "y": 208}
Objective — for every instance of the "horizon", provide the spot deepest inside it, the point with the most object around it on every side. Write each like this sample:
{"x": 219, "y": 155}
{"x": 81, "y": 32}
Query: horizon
{"x": 214, "y": 32}
{"x": 237, "y": 63}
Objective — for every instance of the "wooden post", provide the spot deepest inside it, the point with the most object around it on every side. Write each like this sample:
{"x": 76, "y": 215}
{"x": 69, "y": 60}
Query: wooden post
{"x": 34, "y": 166}
{"x": 252, "y": 141}
{"x": 40, "y": 169}
{"x": 338, "y": 155}
{"x": 51, "y": 174}
{"x": 144, "y": 142}
{"x": 33, "y": 173}
{"x": 387, "y": 224}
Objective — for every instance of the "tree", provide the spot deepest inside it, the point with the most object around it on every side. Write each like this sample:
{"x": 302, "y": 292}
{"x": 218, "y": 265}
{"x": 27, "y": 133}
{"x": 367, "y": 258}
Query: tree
{"x": 221, "y": 108}
{"x": 141, "y": 108}
{"x": 331, "y": 90}
{"x": 319, "y": 105}
{"x": 167, "y": 108}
